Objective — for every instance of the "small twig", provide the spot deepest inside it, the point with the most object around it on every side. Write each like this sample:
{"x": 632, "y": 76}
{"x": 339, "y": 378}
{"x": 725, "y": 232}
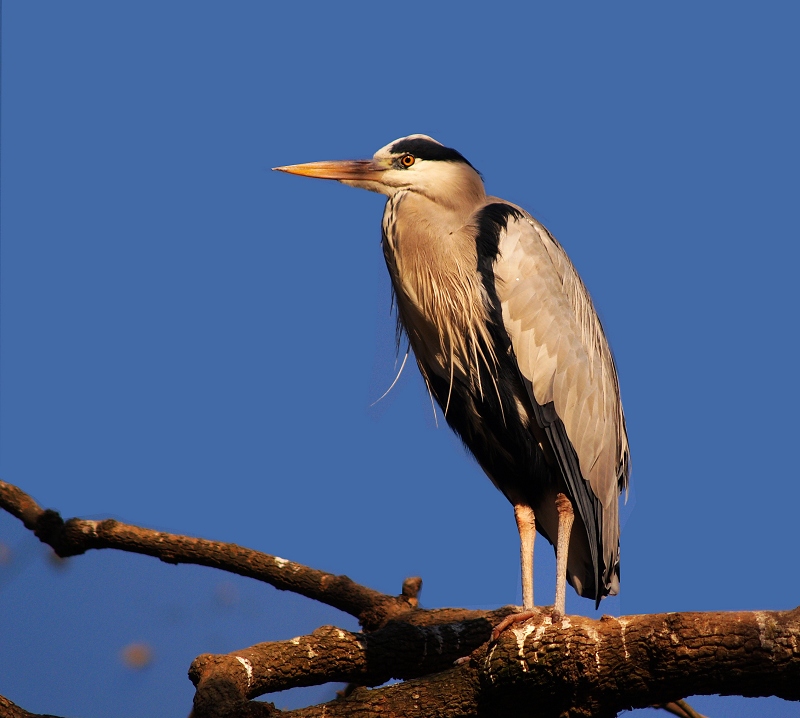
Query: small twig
{"x": 76, "y": 536}
{"x": 411, "y": 588}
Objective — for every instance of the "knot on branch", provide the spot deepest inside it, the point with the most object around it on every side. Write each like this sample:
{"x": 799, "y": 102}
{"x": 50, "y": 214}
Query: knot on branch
{"x": 49, "y": 527}
{"x": 66, "y": 538}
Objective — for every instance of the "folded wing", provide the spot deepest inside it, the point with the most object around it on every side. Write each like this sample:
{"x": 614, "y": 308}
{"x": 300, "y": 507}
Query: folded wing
{"x": 569, "y": 371}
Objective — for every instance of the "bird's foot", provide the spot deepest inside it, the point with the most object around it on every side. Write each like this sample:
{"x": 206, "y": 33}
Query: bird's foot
{"x": 520, "y": 617}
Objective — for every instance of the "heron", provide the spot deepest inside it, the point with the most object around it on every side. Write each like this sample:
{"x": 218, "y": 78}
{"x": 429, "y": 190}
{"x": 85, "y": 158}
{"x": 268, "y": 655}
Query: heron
{"x": 509, "y": 343}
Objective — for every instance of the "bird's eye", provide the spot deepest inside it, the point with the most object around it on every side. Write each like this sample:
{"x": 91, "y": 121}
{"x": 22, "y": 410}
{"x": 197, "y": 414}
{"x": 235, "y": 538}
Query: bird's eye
{"x": 407, "y": 160}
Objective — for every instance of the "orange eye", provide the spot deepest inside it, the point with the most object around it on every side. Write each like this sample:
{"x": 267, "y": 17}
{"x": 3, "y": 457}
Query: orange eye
{"x": 407, "y": 160}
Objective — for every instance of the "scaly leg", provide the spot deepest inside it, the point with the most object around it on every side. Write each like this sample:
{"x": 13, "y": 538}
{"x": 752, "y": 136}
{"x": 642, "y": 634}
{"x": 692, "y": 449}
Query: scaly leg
{"x": 526, "y": 524}
{"x": 565, "y": 518}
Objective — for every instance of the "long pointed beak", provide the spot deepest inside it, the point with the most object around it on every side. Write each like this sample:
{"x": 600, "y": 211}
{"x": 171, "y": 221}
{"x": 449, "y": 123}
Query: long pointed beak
{"x": 338, "y": 170}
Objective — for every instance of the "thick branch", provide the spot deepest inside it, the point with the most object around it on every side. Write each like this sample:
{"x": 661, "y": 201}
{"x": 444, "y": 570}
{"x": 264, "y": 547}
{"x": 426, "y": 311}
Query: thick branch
{"x": 424, "y": 642}
{"x": 453, "y": 693}
{"x": 76, "y": 536}
{"x": 599, "y": 668}
{"x": 577, "y": 666}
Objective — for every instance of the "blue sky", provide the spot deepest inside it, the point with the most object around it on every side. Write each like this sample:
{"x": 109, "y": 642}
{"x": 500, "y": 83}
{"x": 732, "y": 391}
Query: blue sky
{"x": 193, "y": 343}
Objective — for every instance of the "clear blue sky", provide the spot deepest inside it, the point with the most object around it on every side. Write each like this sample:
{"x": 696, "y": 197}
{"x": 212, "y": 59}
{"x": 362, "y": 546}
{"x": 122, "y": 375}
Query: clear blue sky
{"x": 192, "y": 342}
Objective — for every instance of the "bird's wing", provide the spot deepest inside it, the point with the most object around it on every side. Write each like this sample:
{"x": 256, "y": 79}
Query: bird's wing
{"x": 563, "y": 354}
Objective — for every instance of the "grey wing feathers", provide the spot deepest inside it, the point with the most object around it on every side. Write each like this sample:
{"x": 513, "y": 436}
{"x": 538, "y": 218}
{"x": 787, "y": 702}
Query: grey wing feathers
{"x": 563, "y": 354}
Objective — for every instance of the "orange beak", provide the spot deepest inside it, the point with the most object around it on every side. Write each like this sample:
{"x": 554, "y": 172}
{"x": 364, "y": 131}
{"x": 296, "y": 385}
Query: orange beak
{"x": 339, "y": 170}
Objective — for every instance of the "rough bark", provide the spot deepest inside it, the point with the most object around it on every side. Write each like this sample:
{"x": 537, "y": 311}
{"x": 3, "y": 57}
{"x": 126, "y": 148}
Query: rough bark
{"x": 546, "y": 666}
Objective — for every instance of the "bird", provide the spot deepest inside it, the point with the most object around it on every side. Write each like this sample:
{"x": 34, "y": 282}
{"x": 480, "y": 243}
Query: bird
{"x": 509, "y": 343}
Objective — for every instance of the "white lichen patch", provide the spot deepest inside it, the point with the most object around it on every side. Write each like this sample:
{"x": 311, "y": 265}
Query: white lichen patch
{"x": 488, "y": 663}
{"x": 311, "y": 653}
{"x": 295, "y": 641}
{"x": 761, "y": 620}
{"x": 521, "y": 634}
{"x": 595, "y": 636}
{"x": 565, "y": 625}
{"x": 280, "y": 562}
{"x": 248, "y": 668}
{"x": 623, "y": 624}
{"x": 537, "y": 636}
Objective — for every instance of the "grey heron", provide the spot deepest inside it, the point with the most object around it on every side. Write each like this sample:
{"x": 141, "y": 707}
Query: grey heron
{"x": 510, "y": 345}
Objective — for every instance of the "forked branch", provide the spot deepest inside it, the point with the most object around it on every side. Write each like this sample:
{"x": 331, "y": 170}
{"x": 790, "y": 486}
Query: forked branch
{"x": 564, "y": 666}
{"x": 574, "y": 666}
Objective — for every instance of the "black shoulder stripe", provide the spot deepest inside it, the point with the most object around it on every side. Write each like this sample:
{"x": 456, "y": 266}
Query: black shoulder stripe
{"x": 492, "y": 220}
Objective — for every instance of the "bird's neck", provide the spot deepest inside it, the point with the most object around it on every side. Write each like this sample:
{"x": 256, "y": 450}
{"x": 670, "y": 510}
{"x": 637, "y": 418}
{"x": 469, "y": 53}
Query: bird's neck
{"x": 427, "y": 247}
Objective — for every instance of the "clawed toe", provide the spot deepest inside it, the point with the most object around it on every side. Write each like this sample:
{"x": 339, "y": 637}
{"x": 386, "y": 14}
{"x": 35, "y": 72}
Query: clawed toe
{"x": 512, "y": 619}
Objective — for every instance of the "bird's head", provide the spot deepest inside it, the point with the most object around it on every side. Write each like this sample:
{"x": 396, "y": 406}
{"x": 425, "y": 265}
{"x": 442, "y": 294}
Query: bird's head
{"x": 417, "y": 163}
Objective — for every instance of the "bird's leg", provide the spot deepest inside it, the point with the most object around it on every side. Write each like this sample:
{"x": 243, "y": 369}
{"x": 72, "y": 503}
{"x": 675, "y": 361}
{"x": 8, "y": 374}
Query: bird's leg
{"x": 565, "y": 518}
{"x": 526, "y": 524}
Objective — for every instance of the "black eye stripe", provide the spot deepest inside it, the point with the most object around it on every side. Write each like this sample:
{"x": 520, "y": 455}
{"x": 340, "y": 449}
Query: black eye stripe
{"x": 427, "y": 150}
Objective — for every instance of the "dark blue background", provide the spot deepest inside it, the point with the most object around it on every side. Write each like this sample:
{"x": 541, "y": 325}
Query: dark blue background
{"x": 192, "y": 342}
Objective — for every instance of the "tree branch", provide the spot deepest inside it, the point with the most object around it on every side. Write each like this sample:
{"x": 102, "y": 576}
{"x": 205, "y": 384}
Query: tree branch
{"x": 576, "y": 666}
{"x": 12, "y": 710}
{"x": 76, "y": 536}
{"x": 423, "y": 643}
{"x": 602, "y": 667}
